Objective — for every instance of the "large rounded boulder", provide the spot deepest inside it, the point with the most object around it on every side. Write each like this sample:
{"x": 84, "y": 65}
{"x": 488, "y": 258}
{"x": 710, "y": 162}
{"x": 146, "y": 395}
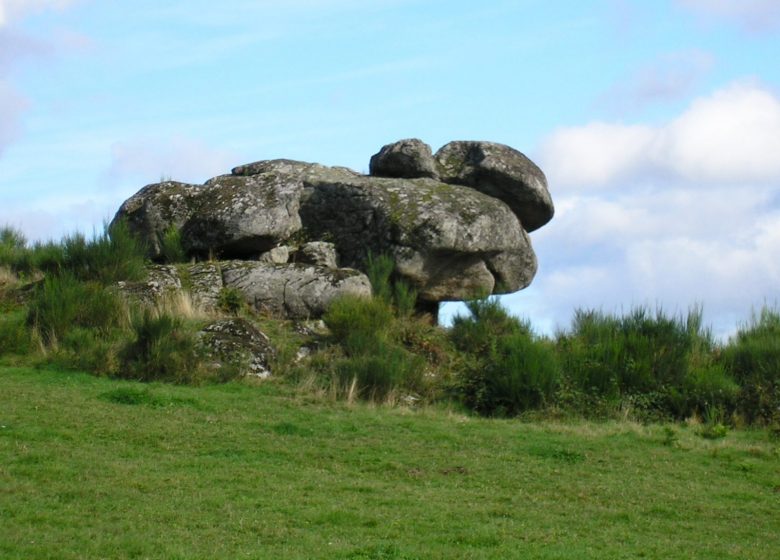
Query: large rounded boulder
{"x": 501, "y": 172}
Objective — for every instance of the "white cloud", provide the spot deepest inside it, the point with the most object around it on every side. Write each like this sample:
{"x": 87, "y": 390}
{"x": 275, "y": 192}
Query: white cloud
{"x": 179, "y": 158}
{"x": 670, "y": 215}
{"x": 732, "y": 136}
{"x": 753, "y": 15}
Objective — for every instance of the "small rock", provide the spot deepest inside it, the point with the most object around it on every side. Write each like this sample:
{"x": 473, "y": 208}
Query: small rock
{"x": 319, "y": 253}
{"x": 238, "y": 343}
{"x": 406, "y": 159}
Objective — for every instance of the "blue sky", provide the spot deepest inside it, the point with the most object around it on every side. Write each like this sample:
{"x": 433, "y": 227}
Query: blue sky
{"x": 657, "y": 123}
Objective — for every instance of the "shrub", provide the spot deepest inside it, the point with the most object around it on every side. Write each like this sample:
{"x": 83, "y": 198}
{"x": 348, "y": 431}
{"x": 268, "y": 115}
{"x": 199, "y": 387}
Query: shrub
{"x": 511, "y": 370}
{"x": 379, "y": 270}
{"x": 659, "y": 364}
{"x": 357, "y": 317}
{"x": 12, "y": 245}
{"x": 487, "y": 322}
{"x": 380, "y": 368}
{"x": 171, "y": 247}
{"x": 107, "y": 258}
{"x": 392, "y": 291}
{"x": 15, "y": 336}
{"x": 162, "y": 349}
{"x": 365, "y": 328}
{"x": 231, "y": 300}
{"x": 88, "y": 350}
{"x": 62, "y": 302}
{"x": 752, "y": 357}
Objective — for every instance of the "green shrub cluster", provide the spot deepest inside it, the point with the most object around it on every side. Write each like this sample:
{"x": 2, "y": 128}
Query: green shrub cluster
{"x": 374, "y": 360}
{"x": 107, "y": 257}
{"x": 509, "y": 370}
{"x": 163, "y": 348}
{"x": 753, "y": 359}
{"x": 658, "y": 364}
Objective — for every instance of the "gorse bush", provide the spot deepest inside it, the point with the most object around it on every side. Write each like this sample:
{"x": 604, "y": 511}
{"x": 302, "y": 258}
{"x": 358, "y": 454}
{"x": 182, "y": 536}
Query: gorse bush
{"x": 511, "y": 370}
{"x": 374, "y": 359}
{"x": 660, "y": 364}
{"x": 15, "y": 335}
{"x": 62, "y": 302}
{"x": 108, "y": 257}
{"x": 392, "y": 291}
{"x": 163, "y": 348}
{"x": 171, "y": 246}
{"x": 752, "y": 357}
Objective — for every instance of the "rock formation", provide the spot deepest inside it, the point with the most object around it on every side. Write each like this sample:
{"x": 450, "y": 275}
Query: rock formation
{"x": 456, "y": 224}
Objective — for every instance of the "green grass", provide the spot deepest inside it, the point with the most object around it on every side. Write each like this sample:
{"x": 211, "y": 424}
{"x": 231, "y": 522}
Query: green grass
{"x": 98, "y": 468}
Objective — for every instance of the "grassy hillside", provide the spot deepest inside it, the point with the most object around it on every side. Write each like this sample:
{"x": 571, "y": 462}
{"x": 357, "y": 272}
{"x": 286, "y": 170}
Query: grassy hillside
{"x": 99, "y": 468}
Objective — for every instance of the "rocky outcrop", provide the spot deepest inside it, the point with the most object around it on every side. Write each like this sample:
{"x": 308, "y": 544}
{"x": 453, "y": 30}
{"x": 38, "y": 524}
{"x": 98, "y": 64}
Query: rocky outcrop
{"x": 456, "y": 224}
{"x": 294, "y": 291}
{"x": 444, "y": 238}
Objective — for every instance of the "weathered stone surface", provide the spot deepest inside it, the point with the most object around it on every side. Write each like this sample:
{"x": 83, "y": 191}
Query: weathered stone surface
{"x": 242, "y": 216}
{"x": 205, "y": 283}
{"x": 441, "y": 236}
{"x": 155, "y": 209}
{"x": 320, "y": 253}
{"x": 501, "y": 172}
{"x": 161, "y": 281}
{"x": 238, "y": 343}
{"x": 409, "y": 159}
{"x": 277, "y": 255}
{"x": 227, "y": 216}
{"x": 292, "y": 290}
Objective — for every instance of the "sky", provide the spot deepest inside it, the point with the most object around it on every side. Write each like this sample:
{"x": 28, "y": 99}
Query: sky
{"x": 656, "y": 123}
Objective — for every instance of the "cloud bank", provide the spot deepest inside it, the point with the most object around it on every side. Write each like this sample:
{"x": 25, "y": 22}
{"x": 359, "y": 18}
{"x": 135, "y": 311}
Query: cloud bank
{"x": 683, "y": 212}
{"x": 732, "y": 136}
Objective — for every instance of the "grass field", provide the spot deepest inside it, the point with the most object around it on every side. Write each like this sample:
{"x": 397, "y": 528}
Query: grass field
{"x": 95, "y": 468}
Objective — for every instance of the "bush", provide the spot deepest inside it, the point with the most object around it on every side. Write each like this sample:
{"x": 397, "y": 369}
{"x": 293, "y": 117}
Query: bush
{"x": 661, "y": 365}
{"x": 107, "y": 258}
{"x": 162, "y": 349}
{"x": 380, "y": 368}
{"x": 394, "y": 292}
{"x": 365, "y": 328}
{"x": 231, "y": 300}
{"x": 752, "y": 357}
{"x": 357, "y": 317}
{"x": 88, "y": 350}
{"x": 12, "y": 245}
{"x": 63, "y": 302}
{"x": 510, "y": 371}
{"x": 171, "y": 247}
{"x": 15, "y": 336}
